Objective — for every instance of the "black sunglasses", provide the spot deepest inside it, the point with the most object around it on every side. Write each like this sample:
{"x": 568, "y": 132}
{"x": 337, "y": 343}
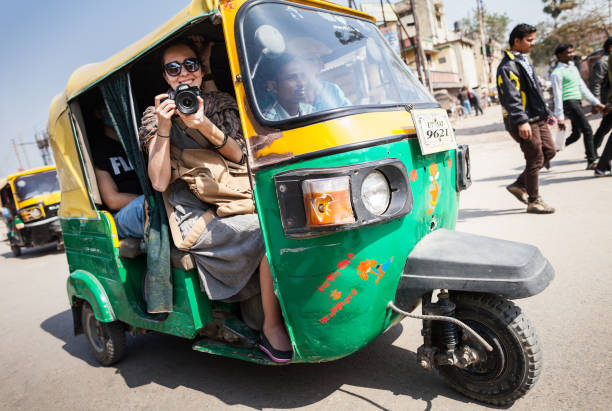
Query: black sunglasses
{"x": 174, "y": 68}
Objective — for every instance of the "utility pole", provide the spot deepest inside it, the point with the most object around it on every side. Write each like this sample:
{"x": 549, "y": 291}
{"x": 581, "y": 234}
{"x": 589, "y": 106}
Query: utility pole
{"x": 25, "y": 153}
{"x": 485, "y": 71}
{"x": 42, "y": 142}
{"x": 421, "y": 60}
{"x": 17, "y": 155}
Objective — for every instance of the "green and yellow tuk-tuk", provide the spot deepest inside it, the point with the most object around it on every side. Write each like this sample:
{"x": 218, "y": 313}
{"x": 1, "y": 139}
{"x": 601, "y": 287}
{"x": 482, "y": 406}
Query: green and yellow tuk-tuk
{"x": 357, "y": 199}
{"x": 32, "y": 198}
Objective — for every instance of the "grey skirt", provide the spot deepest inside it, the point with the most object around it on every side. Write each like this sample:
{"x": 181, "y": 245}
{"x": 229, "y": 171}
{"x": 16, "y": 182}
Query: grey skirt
{"x": 227, "y": 253}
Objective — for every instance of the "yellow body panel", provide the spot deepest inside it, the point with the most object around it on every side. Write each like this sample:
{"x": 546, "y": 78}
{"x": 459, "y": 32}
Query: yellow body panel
{"x": 339, "y": 132}
{"x": 47, "y": 199}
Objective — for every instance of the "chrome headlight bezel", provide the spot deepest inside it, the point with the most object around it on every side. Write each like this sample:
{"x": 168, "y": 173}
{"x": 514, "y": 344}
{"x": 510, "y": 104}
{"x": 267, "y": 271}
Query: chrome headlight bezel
{"x": 375, "y": 192}
{"x": 291, "y": 198}
{"x": 31, "y": 214}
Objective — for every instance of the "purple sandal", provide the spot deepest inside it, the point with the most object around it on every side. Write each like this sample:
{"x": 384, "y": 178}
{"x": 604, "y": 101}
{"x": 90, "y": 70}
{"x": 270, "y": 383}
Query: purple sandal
{"x": 274, "y": 354}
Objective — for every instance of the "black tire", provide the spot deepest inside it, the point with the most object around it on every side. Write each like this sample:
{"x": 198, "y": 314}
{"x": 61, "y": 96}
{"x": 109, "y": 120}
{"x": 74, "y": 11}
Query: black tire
{"x": 513, "y": 366}
{"x": 16, "y": 250}
{"x": 106, "y": 340}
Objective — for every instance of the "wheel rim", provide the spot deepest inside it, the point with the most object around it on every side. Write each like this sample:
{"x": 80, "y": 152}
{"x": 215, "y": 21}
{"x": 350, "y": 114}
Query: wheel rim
{"x": 494, "y": 363}
{"x": 95, "y": 333}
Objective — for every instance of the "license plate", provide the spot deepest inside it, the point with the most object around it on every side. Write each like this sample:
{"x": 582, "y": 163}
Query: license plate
{"x": 433, "y": 130}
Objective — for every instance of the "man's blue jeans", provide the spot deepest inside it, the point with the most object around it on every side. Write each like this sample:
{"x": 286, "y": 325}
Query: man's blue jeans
{"x": 130, "y": 219}
{"x": 467, "y": 106}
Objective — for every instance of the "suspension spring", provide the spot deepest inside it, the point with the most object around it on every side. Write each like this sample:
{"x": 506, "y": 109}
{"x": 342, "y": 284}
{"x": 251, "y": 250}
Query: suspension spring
{"x": 448, "y": 331}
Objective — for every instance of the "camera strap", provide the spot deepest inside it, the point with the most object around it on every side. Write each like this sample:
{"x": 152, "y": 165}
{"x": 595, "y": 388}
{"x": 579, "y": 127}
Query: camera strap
{"x": 193, "y": 133}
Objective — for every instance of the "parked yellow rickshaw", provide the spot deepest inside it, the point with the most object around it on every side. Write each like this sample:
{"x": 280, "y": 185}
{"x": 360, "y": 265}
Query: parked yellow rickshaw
{"x": 32, "y": 198}
{"x": 357, "y": 203}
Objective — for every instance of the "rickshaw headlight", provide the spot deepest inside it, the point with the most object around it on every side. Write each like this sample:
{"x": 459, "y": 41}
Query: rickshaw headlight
{"x": 327, "y": 201}
{"x": 30, "y": 214}
{"x": 375, "y": 193}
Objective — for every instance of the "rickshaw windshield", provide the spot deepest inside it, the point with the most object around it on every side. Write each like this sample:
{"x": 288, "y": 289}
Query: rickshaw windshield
{"x": 33, "y": 185}
{"x": 302, "y": 61}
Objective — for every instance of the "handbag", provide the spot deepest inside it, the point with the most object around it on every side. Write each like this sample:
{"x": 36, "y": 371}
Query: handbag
{"x": 211, "y": 177}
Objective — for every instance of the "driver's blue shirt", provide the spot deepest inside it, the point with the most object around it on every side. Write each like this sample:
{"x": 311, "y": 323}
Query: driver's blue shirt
{"x": 276, "y": 112}
{"x": 329, "y": 96}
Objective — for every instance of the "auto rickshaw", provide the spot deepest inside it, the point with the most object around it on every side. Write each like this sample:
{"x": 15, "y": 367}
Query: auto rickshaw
{"x": 32, "y": 198}
{"x": 357, "y": 203}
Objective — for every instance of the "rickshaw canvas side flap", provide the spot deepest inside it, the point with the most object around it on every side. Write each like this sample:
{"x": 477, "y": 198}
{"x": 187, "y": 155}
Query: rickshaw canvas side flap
{"x": 75, "y": 194}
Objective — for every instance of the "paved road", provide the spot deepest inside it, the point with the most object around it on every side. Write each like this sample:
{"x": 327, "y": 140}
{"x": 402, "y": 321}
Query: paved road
{"x": 43, "y": 366}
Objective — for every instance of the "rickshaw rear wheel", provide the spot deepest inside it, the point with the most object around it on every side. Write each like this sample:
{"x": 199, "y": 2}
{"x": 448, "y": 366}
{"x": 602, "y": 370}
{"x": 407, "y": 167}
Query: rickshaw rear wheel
{"x": 513, "y": 367}
{"x": 16, "y": 250}
{"x": 106, "y": 340}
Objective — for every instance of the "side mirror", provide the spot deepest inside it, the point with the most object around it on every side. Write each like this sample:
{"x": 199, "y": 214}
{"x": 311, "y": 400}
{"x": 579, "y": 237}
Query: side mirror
{"x": 272, "y": 42}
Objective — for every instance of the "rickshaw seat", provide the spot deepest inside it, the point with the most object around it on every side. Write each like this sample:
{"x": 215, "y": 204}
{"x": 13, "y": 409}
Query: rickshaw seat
{"x": 181, "y": 259}
{"x": 131, "y": 247}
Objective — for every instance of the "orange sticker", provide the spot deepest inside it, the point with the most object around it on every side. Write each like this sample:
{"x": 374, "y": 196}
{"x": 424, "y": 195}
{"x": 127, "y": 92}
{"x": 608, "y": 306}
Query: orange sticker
{"x": 414, "y": 175}
{"x": 434, "y": 189}
{"x": 338, "y": 307}
{"x": 450, "y": 163}
{"x": 333, "y": 275}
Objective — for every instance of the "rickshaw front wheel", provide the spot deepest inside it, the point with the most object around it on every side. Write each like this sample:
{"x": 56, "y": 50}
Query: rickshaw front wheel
{"x": 512, "y": 368}
{"x": 106, "y": 340}
{"x": 16, "y": 250}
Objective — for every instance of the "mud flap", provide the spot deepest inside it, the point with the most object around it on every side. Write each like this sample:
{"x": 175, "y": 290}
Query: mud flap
{"x": 468, "y": 262}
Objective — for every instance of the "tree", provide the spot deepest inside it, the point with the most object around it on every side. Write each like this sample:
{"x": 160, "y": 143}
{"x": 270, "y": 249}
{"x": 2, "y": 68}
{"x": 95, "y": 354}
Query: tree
{"x": 556, "y": 7}
{"x": 496, "y": 24}
{"x": 572, "y": 31}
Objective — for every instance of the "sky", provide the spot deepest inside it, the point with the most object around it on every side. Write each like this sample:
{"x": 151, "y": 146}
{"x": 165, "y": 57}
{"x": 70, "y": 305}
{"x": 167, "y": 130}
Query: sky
{"x": 43, "y": 42}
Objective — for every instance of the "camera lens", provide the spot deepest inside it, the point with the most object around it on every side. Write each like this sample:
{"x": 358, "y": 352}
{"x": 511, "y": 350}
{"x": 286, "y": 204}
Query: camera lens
{"x": 186, "y": 102}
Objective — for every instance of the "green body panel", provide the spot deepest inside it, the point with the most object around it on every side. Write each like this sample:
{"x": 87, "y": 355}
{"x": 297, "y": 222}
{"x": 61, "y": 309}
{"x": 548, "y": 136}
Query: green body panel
{"x": 331, "y": 320}
{"x": 85, "y": 286}
{"x": 251, "y": 354}
{"x": 89, "y": 249}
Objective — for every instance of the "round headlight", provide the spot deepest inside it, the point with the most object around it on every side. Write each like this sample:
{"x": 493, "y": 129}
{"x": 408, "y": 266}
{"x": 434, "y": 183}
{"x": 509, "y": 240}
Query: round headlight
{"x": 375, "y": 193}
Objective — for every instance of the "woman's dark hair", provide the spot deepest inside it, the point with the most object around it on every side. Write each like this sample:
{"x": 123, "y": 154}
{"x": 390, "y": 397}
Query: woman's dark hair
{"x": 607, "y": 44}
{"x": 521, "y": 31}
{"x": 180, "y": 42}
{"x": 562, "y": 47}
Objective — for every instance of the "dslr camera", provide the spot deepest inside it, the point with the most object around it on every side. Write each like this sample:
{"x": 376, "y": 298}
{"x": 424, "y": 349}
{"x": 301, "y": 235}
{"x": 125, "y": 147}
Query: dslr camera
{"x": 186, "y": 98}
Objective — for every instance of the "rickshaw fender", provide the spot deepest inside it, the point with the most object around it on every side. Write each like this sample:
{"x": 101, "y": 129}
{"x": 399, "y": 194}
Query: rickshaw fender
{"x": 452, "y": 260}
{"x": 83, "y": 286}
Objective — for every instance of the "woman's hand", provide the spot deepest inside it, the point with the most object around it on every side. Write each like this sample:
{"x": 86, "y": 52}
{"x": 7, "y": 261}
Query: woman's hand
{"x": 164, "y": 110}
{"x": 200, "y": 122}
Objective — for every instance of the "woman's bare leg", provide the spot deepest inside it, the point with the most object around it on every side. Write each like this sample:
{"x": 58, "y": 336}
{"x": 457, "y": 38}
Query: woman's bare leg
{"x": 273, "y": 326}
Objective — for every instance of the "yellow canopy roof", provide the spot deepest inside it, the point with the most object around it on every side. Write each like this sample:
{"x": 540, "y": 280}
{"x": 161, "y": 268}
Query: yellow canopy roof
{"x": 4, "y": 181}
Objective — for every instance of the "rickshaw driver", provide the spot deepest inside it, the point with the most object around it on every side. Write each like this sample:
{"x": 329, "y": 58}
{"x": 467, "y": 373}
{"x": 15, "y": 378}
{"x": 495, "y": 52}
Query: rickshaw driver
{"x": 288, "y": 84}
{"x": 118, "y": 183}
{"x": 321, "y": 94}
{"x": 213, "y": 269}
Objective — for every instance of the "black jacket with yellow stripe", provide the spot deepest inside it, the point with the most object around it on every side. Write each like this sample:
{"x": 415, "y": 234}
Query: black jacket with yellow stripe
{"x": 520, "y": 96}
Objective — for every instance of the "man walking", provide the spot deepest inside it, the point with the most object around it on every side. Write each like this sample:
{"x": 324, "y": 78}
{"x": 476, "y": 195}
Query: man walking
{"x": 604, "y": 168}
{"x": 568, "y": 90}
{"x": 600, "y": 86}
{"x": 525, "y": 116}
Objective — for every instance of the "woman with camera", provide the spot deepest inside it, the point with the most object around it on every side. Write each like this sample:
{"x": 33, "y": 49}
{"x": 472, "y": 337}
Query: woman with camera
{"x": 222, "y": 233}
